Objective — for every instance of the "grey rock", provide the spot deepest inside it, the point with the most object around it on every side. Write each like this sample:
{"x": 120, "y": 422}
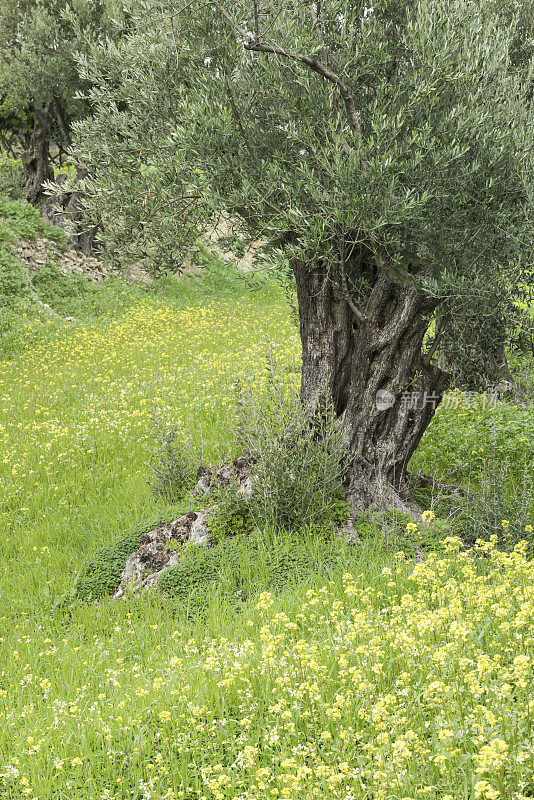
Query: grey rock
{"x": 144, "y": 568}
{"x": 348, "y": 533}
{"x": 199, "y": 531}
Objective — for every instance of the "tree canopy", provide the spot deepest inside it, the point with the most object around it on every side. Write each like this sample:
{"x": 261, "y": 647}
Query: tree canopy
{"x": 328, "y": 129}
{"x": 39, "y": 43}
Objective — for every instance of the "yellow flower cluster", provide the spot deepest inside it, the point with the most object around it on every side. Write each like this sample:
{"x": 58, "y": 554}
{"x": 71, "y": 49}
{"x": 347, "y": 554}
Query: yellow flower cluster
{"x": 413, "y": 688}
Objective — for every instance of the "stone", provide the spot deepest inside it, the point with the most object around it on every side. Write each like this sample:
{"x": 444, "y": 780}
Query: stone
{"x": 348, "y": 533}
{"x": 144, "y": 568}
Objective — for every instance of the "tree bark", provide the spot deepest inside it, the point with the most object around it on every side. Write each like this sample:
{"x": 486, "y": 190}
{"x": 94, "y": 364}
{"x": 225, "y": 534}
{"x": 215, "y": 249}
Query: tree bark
{"x": 350, "y": 355}
{"x": 61, "y": 121}
{"x": 64, "y": 210}
{"x": 36, "y": 160}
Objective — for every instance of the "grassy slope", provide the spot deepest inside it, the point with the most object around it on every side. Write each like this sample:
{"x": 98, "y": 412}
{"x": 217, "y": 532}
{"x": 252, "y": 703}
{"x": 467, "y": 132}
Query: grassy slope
{"x": 133, "y": 700}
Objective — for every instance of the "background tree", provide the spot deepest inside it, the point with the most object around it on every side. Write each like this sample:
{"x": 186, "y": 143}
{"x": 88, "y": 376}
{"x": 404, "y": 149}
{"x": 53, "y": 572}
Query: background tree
{"x": 384, "y": 151}
{"x": 39, "y": 80}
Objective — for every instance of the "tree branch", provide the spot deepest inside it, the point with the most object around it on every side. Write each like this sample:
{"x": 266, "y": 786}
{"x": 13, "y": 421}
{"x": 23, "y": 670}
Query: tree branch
{"x": 311, "y": 62}
{"x": 237, "y": 116}
{"x": 241, "y": 31}
{"x": 354, "y": 308}
{"x": 438, "y": 335}
{"x": 320, "y": 69}
{"x": 256, "y": 22}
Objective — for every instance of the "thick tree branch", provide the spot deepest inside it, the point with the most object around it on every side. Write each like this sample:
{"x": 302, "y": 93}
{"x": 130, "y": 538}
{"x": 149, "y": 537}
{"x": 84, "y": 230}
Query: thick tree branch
{"x": 60, "y": 118}
{"x": 256, "y": 22}
{"x": 438, "y": 335}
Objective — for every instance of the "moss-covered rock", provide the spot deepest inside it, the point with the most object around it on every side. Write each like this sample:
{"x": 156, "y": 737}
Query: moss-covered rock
{"x": 101, "y": 575}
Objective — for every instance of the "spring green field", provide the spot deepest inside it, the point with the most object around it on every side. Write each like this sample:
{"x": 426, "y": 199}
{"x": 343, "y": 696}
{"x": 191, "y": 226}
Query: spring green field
{"x": 380, "y": 679}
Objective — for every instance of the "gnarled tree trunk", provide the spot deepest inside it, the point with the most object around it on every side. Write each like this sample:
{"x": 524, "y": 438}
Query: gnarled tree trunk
{"x": 36, "y": 160}
{"x": 64, "y": 210}
{"x": 370, "y": 363}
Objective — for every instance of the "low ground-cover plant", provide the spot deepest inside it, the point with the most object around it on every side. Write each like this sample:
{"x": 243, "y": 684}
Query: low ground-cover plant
{"x": 66, "y": 294}
{"x": 471, "y": 430}
{"x": 499, "y": 505}
{"x": 236, "y": 568}
{"x": 232, "y": 517}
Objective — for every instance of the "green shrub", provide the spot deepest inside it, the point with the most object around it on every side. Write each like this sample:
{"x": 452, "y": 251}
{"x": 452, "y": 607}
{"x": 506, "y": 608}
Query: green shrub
{"x": 173, "y": 462}
{"x": 19, "y": 220}
{"x": 194, "y": 576}
{"x": 233, "y": 515}
{"x": 11, "y": 176}
{"x": 501, "y": 506}
{"x": 299, "y": 463}
{"x": 468, "y": 432}
{"x": 14, "y": 284}
{"x": 295, "y": 565}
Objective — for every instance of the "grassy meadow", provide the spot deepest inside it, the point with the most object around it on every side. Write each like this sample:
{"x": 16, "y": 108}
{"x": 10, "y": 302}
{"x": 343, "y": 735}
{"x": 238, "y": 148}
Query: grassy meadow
{"x": 379, "y": 679}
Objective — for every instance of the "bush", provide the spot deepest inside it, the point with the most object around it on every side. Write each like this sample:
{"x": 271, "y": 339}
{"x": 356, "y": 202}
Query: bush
{"x": 192, "y": 579}
{"x": 20, "y": 220}
{"x": 173, "y": 462}
{"x": 14, "y": 284}
{"x": 295, "y": 565}
{"x": 11, "y": 176}
{"x": 501, "y": 506}
{"x": 233, "y": 515}
{"x": 300, "y": 464}
{"x": 61, "y": 292}
{"x": 468, "y": 432}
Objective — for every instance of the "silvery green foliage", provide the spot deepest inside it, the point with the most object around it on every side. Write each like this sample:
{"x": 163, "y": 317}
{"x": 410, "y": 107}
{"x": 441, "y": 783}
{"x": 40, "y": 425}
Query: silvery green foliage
{"x": 39, "y": 41}
{"x": 434, "y": 168}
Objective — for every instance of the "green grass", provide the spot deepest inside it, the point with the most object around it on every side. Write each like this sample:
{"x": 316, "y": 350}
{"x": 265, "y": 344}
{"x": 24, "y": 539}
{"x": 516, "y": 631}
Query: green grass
{"x": 272, "y": 668}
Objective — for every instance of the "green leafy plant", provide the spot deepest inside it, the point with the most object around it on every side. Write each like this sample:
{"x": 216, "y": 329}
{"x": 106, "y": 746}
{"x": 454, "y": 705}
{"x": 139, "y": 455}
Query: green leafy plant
{"x": 501, "y": 506}
{"x": 300, "y": 462}
{"x": 100, "y": 576}
{"x": 173, "y": 462}
{"x": 232, "y": 517}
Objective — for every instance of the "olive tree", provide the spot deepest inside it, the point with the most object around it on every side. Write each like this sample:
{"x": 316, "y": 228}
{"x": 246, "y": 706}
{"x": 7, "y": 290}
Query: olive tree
{"x": 39, "y": 80}
{"x": 382, "y": 150}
